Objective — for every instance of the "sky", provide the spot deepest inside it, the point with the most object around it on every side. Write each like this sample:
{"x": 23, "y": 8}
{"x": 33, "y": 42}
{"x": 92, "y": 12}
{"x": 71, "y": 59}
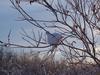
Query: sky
{"x": 9, "y": 21}
{"x": 8, "y": 17}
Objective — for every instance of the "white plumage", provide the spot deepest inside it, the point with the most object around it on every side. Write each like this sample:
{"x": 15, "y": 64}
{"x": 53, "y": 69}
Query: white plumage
{"x": 54, "y": 39}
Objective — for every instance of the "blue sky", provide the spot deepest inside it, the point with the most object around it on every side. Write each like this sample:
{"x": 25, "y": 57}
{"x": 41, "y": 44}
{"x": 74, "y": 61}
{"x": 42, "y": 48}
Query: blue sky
{"x": 8, "y": 20}
{"x": 9, "y": 17}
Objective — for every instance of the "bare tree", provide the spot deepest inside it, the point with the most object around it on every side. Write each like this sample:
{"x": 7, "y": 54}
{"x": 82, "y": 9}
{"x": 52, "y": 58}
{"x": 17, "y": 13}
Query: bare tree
{"x": 76, "y": 20}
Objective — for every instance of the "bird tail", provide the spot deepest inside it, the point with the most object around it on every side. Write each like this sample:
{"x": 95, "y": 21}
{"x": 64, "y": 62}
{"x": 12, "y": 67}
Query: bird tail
{"x": 50, "y": 53}
{"x": 53, "y": 48}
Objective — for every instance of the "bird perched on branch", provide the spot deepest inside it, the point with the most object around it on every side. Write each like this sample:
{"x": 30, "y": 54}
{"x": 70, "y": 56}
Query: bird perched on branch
{"x": 54, "y": 39}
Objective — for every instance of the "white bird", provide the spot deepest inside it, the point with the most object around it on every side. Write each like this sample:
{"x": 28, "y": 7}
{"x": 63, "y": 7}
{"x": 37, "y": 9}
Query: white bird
{"x": 54, "y": 39}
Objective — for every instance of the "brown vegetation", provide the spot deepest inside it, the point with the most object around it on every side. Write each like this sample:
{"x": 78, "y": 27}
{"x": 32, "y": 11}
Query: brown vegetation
{"x": 22, "y": 65}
